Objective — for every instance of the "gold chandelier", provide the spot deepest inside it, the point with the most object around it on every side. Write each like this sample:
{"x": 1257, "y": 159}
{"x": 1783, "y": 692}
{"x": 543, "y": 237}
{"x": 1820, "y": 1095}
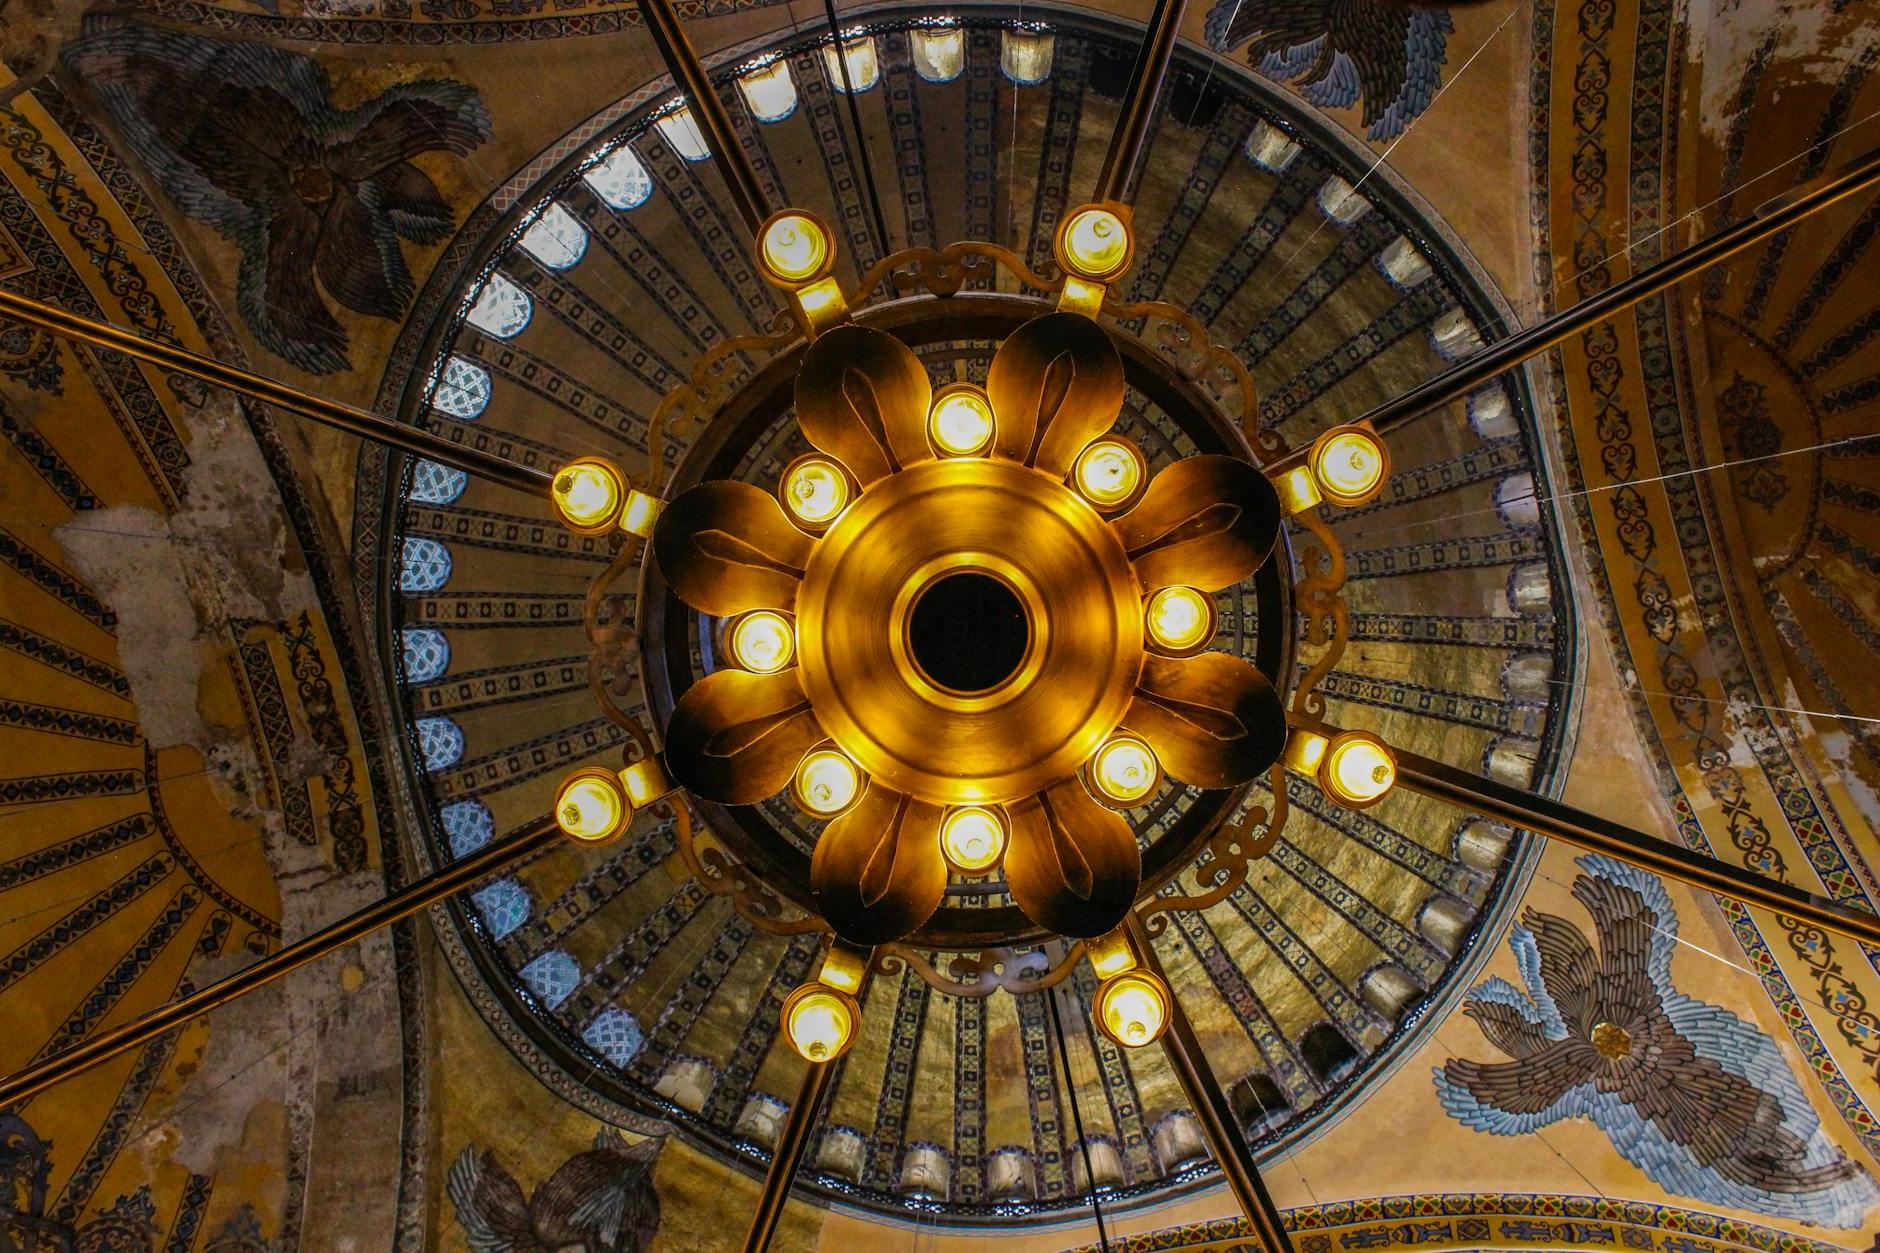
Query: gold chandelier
{"x": 970, "y": 630}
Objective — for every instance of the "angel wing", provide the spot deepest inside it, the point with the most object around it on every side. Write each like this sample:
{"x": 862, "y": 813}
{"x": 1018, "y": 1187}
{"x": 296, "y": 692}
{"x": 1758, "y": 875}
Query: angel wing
{"x": 490, "y": 1205}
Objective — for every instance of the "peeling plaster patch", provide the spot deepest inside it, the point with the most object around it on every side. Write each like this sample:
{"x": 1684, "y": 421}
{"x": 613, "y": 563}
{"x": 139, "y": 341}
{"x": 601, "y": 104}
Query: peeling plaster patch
{"x": 1725, "y": 35}
{"x": 173, "y": 582}
{"x": 126, "y": 554}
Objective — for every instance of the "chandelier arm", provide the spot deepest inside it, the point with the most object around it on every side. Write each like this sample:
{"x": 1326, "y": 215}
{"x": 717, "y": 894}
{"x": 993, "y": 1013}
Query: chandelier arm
{"x": 1225, "y": 1137}
{"x": 1116, "y": 183}
{"x": 688, "y": 74}
{"x": 333, "y": 413}
{"x": 1533, "y": 812}
{"x": 794, "y": 1138}
{"x": 1771, "y": 219}
{"x": 408, "y": 900}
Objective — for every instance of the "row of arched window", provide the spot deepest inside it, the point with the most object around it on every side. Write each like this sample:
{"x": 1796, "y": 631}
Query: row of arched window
{"x": 557, "y": 240}
{"x": 504, "y": 906}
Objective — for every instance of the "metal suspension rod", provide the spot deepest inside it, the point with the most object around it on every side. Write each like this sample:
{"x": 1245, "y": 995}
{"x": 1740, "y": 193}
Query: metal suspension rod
{"x": 400, "y": 904}
{"x": 794, "y": 1138}
{"x": 1225, "y": 1137}
{"x": 1771, "y": 219}
{"x": 1671, "y": 861}
{"x": 333, "y": 413}
{"x": 1121, "y": 166}
{"x": 734, "y": 164}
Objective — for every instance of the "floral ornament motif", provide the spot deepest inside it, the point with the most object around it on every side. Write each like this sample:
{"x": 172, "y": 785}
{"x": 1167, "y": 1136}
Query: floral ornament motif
{"x": 858, "y": 679}
{"x": 1697, "y": 1098}
{"x": 246, "y": 138}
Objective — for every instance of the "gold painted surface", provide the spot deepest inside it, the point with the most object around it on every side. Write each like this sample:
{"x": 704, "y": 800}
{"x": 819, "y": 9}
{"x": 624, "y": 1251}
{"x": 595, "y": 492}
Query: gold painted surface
{"x": 1068, "y": 570}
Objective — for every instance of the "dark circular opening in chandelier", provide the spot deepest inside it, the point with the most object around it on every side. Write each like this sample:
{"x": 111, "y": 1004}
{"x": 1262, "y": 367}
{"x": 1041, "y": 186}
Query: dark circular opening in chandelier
{"x": 968, "y": 632}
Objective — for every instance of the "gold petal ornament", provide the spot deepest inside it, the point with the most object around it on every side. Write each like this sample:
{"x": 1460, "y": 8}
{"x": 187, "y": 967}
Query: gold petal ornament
{"x": 862, "y": 397}
{"x": 1213, "y": 720}
{"x": 736, "y": 737}
{"x": 726, "y": 547}
{"x": 1055, "y": 384}
{"x": 1071, "y": 865}
{"x": 1207, "y": 522}
{"x": 878, "y": 872}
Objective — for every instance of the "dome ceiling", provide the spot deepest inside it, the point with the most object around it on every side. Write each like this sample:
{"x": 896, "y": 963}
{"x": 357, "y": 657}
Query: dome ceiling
{"x": 560, "y": 327}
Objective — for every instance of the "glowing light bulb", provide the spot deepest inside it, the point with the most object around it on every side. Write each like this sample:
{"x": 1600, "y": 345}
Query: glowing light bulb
{"x": 1095, "y": 244}
{"x": 1179, "y": 620}
{"x": 972, "y": 838}
{"x": 587, "y": 494}
{"x": 1124, "y": 771}
{"x": 827, "y": 782}
{"x": 960, "y": 424}
{"x": 1349, "y": 465}
{"x": 763, "y": 642}
{"x": 1357, "y": 769}
{"x": 1108, "y": 472}
{"x": 815, "y": 490}
{"x": 591, "y": 806}
{"x": 820, "y": 1022}
{"x": 796, "y": 247}
{"x": 1132, "y": 1008}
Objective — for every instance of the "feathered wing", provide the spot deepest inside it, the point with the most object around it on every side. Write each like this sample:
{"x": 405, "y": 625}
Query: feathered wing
{"x": 220, "y": 127}
{"x": 1511, "y": 1098}
{"x": 1568, "y": 968}
{"x": 1387, "y": 53}
{"x": 490, "y": 1205}
{"x": 602, "y": 1199}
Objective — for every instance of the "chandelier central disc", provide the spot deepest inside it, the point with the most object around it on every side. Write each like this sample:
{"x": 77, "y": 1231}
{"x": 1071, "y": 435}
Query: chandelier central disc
{"x": 1038, "y": 580}
{"x": 968, "y": 632}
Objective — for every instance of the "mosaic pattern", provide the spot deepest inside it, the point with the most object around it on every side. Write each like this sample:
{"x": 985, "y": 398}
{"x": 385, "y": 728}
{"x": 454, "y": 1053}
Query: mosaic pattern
{"x": 247, "y": 139}
{"x": 1497, "y": 1220}
{"x": 1697, "y": 1098}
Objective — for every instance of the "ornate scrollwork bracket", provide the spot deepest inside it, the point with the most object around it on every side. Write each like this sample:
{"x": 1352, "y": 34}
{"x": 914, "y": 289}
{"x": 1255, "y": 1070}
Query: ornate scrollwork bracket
{"x": 1322, "y": 611}
{"x": 1224, "y": 862}
{"x": 722, "y": 875}
{"x": 981, "y": 974}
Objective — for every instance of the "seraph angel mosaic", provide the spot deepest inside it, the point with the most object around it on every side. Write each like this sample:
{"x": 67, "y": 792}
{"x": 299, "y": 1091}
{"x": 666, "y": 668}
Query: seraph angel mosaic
{"x": 319, "y": 199}
{"x": 1337, "y": 52}
{"x": 1692, "y": 1095}
{"x": 601, "y": 1200}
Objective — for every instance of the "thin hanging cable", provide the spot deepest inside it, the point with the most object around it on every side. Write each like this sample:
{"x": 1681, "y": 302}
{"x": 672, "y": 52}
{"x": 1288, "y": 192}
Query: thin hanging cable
{"x": 1286, "y": 266}
{"x": 861, "y": 137}
{"x": 1077, "y": 1116}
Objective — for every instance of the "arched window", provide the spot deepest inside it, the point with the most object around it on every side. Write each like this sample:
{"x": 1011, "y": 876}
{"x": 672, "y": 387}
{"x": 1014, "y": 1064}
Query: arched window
{"x": 427, "y": 654}
{"x": 769, "y": 91}
{"x": 434, "y": 484}
{"x": 1327, "y": 1053}
{"x": 503, "y": 905}
{"x": 423, "y": 566}
{"x": 620, "y": 180}
{"x": 467, "y": 825}
{"x": 680, "y": 130}
{"x": 556, "y": 239}
{"x": 614, "y": 1034}
{"x": 440, "y": 742}
{"x": 939, "y": 52}
{"x": 553, "y": 977}
{"x": 857, "y": 65}
{"x": 1025, "y": 55}
{"x": 463, "y": 390}
{"x": 502, "y": 308}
